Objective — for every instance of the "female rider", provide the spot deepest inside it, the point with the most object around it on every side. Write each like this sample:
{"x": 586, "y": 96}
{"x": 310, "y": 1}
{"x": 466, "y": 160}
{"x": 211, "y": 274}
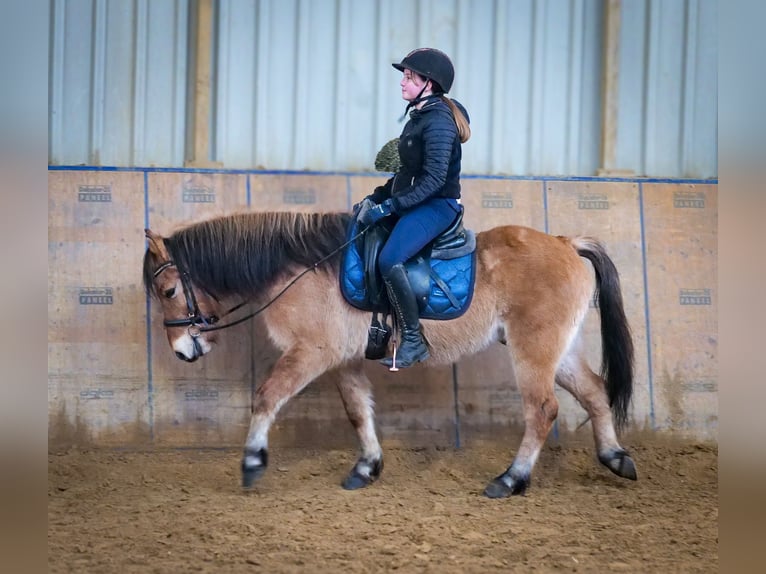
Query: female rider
{"x": 422, "y": 196}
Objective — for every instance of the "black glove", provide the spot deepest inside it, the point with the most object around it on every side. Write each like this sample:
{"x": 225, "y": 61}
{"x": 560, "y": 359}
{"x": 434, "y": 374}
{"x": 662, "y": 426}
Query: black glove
{"x": 371, "y": 216}
{"x": 357, "y": 206}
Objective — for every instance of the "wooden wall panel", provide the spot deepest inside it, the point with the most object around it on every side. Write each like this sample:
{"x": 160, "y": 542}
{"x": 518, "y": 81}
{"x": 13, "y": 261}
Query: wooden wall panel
{"x": 297, "y": 192}
{"x": 609, "y": 211}
{"x": 682, "y": 249}
{"x": 206, "y": 402}
{"x": 97, "y": 369}
{"x": 493, "y": 202}
{"x": 112, "y": 382}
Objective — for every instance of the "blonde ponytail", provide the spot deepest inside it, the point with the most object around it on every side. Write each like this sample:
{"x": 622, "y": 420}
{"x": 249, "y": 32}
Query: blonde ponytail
{"x": 463, "y": 127}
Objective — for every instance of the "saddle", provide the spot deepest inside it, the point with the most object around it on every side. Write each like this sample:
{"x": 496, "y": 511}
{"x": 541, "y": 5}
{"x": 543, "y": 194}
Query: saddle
{"x": 441, "y": 275}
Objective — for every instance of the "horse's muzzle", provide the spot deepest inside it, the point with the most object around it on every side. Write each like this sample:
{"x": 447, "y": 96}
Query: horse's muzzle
{"x": 187, "y": 359}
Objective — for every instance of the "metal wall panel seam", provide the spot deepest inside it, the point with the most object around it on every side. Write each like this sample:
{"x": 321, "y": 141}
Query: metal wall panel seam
{"x": 181, "y": 60}
{"x": 690, "y": 83}
{"x": 149, "y": 357}
{"x": 423, "y": 19}
{"x": 592, "y": 102}
{"x": 263, "y": 68}
{"x": 631, "y": 109}
{"x": 574, "y": 128}
{"x": 661, "y": 34}
{"x": 499, "y": 66}
{"x": 650, "y": 88}
{"x": 220, "y": 132}
{"x": 461, "y": 58}
{"x": 382, "y": 75}
{"x": 139, "y": 90}
{"x": 647, "y": 321}
{"x": 56, "y": 97}
{"x": 343, "y": 22}
{"x": 301, "y": 124}
{"x": 537, "y": 86}
{"x": 520, "y": 49}
{"x": 98, "y": 71}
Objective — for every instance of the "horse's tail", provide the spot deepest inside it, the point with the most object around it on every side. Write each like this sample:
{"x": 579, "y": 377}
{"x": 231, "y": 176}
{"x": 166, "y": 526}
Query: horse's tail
{"x": 616, "y": 339}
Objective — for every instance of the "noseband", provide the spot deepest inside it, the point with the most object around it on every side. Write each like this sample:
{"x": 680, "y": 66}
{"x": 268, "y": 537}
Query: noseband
{"x": 195, "y": 320}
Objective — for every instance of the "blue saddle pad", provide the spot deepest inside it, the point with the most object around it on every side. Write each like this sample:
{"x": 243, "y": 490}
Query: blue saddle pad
{"x": 450, "y": 280}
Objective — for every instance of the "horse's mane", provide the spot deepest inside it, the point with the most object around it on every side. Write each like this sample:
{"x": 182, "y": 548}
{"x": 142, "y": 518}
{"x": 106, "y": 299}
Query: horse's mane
{"x": 242, "y": 254}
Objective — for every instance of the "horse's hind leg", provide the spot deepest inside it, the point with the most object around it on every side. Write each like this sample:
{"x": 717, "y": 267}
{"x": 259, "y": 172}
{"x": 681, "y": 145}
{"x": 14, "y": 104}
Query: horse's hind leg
{"x": 588, "y": 388}
{"x": 295, "y": 369}
{"x": 534, "y": 376}
{"x": 356, "y": 391}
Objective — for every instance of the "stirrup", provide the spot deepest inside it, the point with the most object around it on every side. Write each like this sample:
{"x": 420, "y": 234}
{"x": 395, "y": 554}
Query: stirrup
{"x": 393, "y": 368}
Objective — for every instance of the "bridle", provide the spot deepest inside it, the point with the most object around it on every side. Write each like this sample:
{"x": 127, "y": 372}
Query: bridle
{"x": 198, "y": 323}
{"x": 195, "y": 320}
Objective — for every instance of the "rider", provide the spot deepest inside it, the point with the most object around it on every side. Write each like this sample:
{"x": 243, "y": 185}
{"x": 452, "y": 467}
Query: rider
{"x": 422, "y": 196}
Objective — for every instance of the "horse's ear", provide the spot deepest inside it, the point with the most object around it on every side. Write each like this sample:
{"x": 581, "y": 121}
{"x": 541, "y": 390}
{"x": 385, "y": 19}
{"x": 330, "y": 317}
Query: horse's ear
{"x": 157, "y": 245}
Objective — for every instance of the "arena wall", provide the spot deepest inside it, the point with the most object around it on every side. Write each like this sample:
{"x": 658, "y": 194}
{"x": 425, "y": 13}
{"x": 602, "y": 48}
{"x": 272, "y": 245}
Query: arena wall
{"x": 114, "y": 381}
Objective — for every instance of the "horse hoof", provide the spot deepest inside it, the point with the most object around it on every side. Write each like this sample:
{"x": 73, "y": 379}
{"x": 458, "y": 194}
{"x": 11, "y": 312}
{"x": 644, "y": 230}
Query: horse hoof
{"x": 621, "y": 464}
{"x": 497, "y": 489}
{"x": 370, "y": 472}
{"x": 254, "y": 464}
{"x": 500, "y": 487}
{"x": 250, "y": 475}
{"x": 355, "y": 481}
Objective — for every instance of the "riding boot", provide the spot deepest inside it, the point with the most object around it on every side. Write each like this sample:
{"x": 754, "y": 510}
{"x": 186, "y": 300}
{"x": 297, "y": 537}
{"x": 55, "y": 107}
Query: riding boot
{"x": 412, "y": 348}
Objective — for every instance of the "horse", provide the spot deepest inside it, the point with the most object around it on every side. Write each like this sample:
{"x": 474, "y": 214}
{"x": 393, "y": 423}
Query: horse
{"x": 532, "y": 292}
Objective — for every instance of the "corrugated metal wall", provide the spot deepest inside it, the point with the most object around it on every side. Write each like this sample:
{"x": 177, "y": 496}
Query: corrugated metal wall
{"x": 302, "y": 84}
{"x": 668, "y": 112}
{"x": 118, "y": 82}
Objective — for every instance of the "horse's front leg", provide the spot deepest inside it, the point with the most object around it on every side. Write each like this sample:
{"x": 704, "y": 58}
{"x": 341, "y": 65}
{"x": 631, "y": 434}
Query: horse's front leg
{"x": 356, "y": 391}
{"x": 295, "y": 369}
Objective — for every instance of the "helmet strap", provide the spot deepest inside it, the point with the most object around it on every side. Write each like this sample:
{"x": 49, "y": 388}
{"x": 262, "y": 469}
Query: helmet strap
{"x": 419, "y": 98}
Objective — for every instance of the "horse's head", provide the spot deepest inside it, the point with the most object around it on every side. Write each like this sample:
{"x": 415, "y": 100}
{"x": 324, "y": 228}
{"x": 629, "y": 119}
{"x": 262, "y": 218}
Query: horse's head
{"x": 187, "y": 309}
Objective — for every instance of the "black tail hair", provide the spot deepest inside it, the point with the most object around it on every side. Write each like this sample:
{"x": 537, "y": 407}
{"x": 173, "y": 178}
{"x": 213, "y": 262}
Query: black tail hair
{"x": 616, "y": 339}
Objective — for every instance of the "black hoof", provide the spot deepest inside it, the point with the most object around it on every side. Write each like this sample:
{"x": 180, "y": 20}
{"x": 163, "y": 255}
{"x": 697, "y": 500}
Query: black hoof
{"x": 356, "y": 480}
{"x": 250, "y": 475}
{"x": 254, "y": 464}
{"x": 498, "y": 488}
{"x": 620, "y": 463}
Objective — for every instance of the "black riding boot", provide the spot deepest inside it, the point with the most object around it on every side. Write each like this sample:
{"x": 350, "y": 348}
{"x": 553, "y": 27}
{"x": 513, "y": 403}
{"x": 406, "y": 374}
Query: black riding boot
{"x": 412, "y": 348}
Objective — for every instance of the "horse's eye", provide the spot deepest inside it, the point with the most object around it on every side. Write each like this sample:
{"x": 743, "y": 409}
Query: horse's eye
{"x": 169, "y": 293}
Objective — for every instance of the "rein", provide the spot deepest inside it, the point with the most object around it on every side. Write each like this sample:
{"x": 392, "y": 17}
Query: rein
{"x": 198, "y": 323}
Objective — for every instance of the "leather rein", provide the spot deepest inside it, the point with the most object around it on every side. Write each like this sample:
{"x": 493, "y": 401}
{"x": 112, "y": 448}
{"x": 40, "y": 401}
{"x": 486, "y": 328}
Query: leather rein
{"x": 199, "y": 323}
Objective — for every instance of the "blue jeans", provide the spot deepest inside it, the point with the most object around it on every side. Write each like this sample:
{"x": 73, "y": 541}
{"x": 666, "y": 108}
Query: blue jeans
{"x": 415, "y": 229}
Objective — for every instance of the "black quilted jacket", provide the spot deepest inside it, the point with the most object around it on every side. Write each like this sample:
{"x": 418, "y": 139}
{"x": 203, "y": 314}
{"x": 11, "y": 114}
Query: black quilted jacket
{"x": 430, "y": 152}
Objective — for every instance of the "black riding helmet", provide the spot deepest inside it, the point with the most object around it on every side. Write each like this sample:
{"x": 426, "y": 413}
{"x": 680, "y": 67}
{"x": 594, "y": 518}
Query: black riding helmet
{"x": 430, "y": 63}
